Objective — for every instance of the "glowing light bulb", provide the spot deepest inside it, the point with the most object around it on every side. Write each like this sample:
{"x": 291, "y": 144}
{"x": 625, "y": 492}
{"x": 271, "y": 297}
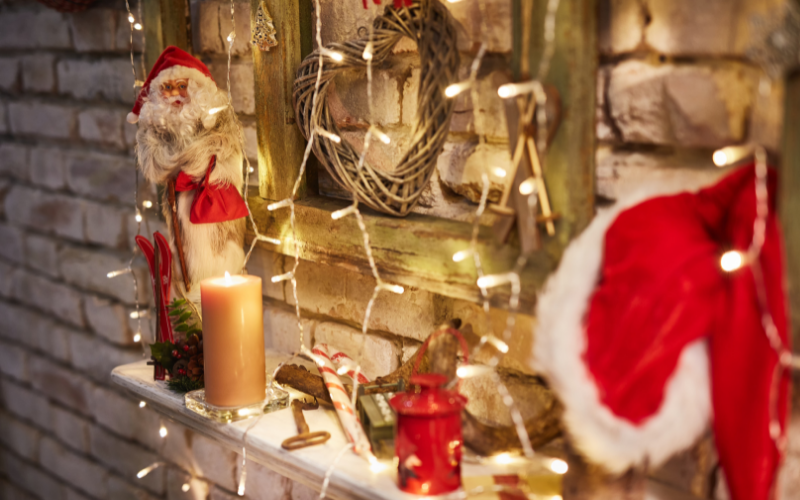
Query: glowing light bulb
{"x": 457, "y": 88}
{"x": 186, "y": 487}
{"x": 251, "y": 169}
{"x": 147, "y": 470}
{"x": 147, "y": 204}
{"x": 336, "y": 56}
{"x": 231, "y": 37}
{"x": 367, "y": 55}
{"x": 468, "y": 371}
{"x": 162, "y": 432}
{"x": 731, "y": 261}
{"x": 214, "y": 111}
{"x": 499, "y": 172}
{"x": 380, "y": 134}
{"x": 130, "y": 18}
{"x": 391, "y": 288}
{"x": 279, "y": 204}
{"x": 528, "y": 186}
{"x": 282, "y": 277}
{"x": 720, "y": 158}
{"x": 138, "y": 216}
{"x": 142, "y": 404}
{"x": 376, "y": 467}
{"x": 493, "y": 280}
{"x": 274, "y": 241}
{"x": 497, "y": 343}
{"x": 515, "y": 89}
{"x": 137, "y": 26}
{"x": 559, "y": 466}
{"x": 503, "y": 458}
{"x": 342, "y": 370}
{"x": 461, "y": 255}
{"x": 118, "y": 272}
{"x": 137, "y": 337}
{"x": 140, "y": 314}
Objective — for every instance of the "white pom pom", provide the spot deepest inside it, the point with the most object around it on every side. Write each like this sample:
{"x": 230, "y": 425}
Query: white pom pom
{"x": 133, "y": 117}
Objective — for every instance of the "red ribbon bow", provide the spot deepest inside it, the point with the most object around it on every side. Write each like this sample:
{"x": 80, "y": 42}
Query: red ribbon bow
{"x": 398, "y": 4}
{"x": 212, "y": 202}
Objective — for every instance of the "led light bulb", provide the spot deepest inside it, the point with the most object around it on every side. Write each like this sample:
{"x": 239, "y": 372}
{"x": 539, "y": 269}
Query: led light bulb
{"x": 214, "y": 111}
{"x": 720, "y": 158}
{"x": 493, "y": 280}
{"x": 468, "y": 371}
{"x": 732, "y": 154}
{"x": 186, "y": 487}
{"x": 147, "y": 204}
{"x": 118, "y": 272}
{"x": 367, "y": 55}
{"x": 251, "y": 169}
{"x": 380, "y": 134}
{"x": 283, "y": 277}
{"x": 274, "y": 241}
{"x": 497, "y": 343}
{"x": 336, "y": 56}
{"x": 137, "y": 26}
{"x": 731, "y": 261}
{"x": 559, "y": 466}
{"x": 138, "y": 216}
{"x": 130, "y": 18}
{"x": 279, "y": 204}
{"x": 137, "y": 337}
{"x": 140, "y": 314}
{"x": 147, "y": 470}
{"x": 461, "y": 255}
{"x": 528, "y": 186}
{"x": 391, "y": 288}
{"x": 503, "y": 458}
{"x": 343, "y": 212}
{"x": 342, "y": 370}
{"x": 515, "y": 89}
{"x": 142, "y": 404}
{"x": 162, "y": 432}
{"x": 231, "y": 37}
{"x": 499, "y": 172}
{"x": 457, "y": 88}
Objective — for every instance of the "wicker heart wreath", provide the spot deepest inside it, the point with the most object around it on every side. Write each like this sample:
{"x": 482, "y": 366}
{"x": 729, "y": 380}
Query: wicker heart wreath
{"x": 428, "y": 23}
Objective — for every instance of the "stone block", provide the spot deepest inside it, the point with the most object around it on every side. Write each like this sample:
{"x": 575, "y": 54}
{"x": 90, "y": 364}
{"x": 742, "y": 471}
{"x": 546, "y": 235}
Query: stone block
{"x": 103, "y": 126}
{"x": 9, "y": 73}
{"x": 26, "y": 29}
{"x": 214, "y": 462}
{"x": 46, "y": 212}
{"x": 26, "y": 404}
{"x": 8, "y": 490}
{"x": 215, "y": 26}
{"x": 218, "y": 493}
{"x": 126, "y": 458}
{"x": 54, "y": 121}
{"x": 100, "y": 176}
{"x": 683, "y": 27}
{"x": 380, "y": 356}
{"x": 54, "y": 340}
{"x": 683, "y": 105}
{"x": 108, "y": 319}
{"x": 342, "y": 294}
{"x": 47, "y": 167}
{"x": 11, "y": 243}
{"x": 107, "y": 225}
{"x": 88, "y": 269}
{"x": 265, "y": 484}
{"x": 242, "y": 84}
{"x": 347, "y": 21}
{"x": 604, "y": 129}
{"x": 15, "y": 160}
{"x": 41, "y": 254}
{"x": 207, "y": 37}
{"x": 94, "y": 30}
{"x": 766, "y": 116}
{"x": 619, "y": 174}
{"x": 267, "y": 264}
{"x": 39, "y": 73}
{"x": 123, "y": 417}
{"x": 461, "y": 166}
{"x": 251, "y": 149}
{"x": 621, "y": 25}
{"x": 3, "y": 117}
{"x": 489, "y": 22}
{"x": 60, "y": 384}
{"x": 73, "y": 468}
{"x": 16, "y": 321}
{"x": 281, "y": 332}
{"x": 487, "y": 117}
{"x": 35, "y": 330}
{"x": 120, "y": 489}
{"x": 97, "y": 358}
{"x": 19, "y": 437}
{"x": 33, "y": 479}
{"x": 107, "y": 78}
{"x": 71, "y": 429}
{"x": 13, "y": 361}
{"x": 177, "y": 447}
{"x": 54, "y": 298}
{"x": 7, "y": 272}
{"x": 348, "y": 105}
{"x": 176, "y": 479}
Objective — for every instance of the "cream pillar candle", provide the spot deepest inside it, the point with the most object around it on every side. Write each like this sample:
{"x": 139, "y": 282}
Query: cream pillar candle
{"x": 233, "y": 340}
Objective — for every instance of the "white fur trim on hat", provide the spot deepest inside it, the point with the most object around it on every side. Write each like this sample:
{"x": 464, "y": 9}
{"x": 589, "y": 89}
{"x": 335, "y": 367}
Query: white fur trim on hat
{"x": 132, "y": 117}
{"x": 560, "y": 343}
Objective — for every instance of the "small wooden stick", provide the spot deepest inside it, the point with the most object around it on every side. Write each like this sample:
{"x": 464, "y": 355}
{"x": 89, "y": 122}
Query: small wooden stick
{"x": 176, "y": 231}
{"x": 544, "y": 200}
{"x": 520, "y": 149}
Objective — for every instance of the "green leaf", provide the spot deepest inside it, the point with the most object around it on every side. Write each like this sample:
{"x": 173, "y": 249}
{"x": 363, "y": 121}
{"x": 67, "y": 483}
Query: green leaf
{"x": 162, "y": 353}
{"x": 195, "y": 331}
{"x": 182, "y": 328}
{"x": 183, "y": 384}
{"x": 178, "y": 302}
{"x": 175, "y": 312}
{"x": 185, "y": 316}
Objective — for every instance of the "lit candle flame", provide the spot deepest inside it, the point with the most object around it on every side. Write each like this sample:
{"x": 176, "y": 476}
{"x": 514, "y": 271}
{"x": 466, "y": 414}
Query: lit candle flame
{"x": 228, "y": 280}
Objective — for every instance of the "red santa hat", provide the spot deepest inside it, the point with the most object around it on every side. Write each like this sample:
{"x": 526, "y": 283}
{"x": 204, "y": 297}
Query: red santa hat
{"x": 172, "y": 64}
{"x": 645, "y": 338}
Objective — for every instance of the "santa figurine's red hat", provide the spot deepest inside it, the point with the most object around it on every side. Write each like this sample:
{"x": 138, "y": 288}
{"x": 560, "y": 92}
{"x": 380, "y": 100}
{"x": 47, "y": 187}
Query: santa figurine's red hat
{"x": 646, "y": 339}
{"x": 172, "y": 64}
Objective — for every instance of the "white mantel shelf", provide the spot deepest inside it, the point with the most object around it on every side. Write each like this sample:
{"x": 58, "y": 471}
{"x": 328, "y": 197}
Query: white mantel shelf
{"x": 351, "y": 479}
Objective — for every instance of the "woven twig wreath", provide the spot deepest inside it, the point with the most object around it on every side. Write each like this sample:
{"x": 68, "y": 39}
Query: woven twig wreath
{"x": 427, "y": 22}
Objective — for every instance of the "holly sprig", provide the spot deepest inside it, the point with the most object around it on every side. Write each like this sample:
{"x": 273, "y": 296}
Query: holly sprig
{"x": 163, "y": 353}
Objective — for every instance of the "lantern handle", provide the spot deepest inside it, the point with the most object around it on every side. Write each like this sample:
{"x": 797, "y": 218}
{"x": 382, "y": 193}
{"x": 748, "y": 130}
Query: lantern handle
{"x": 452, "y": 331}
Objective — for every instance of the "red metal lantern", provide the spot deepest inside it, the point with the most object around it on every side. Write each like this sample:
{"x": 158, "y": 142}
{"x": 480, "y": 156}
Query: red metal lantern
{"x": 428, "y": 437}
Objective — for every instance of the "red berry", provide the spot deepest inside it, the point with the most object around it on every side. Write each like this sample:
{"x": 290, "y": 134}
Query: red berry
{"x": 174, "y": 353}
{"x": 185, "y": 347}
{"x": 181, "y": 371}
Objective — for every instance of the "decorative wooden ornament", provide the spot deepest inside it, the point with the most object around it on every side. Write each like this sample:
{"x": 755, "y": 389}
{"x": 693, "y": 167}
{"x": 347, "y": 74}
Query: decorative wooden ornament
{"x": 395, "y": 192}
{"x": 264, "y": 32}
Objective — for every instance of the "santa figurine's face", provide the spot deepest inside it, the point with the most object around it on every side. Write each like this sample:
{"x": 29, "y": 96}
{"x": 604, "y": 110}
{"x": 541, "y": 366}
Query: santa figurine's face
{"x": 176, "y": 92}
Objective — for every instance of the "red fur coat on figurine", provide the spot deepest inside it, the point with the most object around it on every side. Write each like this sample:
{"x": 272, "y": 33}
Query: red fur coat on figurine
{"x": 188, "y": 140}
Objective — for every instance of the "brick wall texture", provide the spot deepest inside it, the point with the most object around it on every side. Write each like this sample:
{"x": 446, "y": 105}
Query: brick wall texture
{"x": 67, "y": 216}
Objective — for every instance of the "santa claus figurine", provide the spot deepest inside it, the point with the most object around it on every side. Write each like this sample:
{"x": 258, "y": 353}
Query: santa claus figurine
{"x": 188, "y": 141}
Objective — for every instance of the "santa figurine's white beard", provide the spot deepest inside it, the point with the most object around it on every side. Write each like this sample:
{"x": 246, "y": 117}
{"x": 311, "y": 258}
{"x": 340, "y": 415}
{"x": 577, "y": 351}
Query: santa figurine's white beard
{"x": 185, "y": 121}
